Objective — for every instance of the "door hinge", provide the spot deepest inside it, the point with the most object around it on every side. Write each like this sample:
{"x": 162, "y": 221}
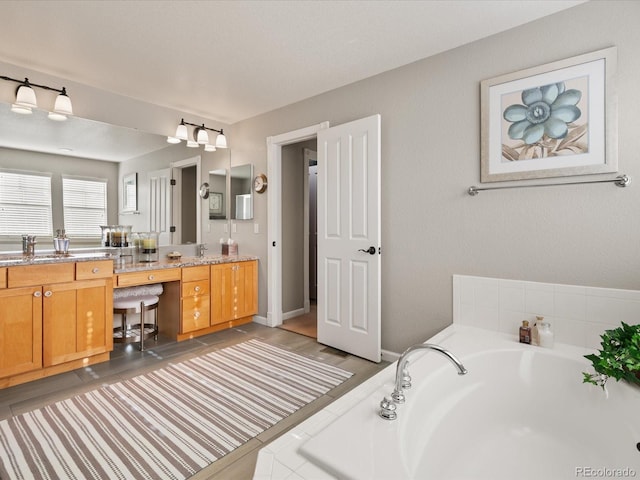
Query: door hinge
{"x": 173, "y": 182}
{"x": 172, "y": 229}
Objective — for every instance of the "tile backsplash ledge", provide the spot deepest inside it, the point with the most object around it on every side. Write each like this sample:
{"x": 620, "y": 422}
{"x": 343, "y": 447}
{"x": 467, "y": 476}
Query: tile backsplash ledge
{"x": 578, "y": 315}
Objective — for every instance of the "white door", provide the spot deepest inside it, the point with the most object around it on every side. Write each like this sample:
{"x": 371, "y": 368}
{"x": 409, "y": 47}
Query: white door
{"x": 349, "y": 237}
{"x": 160, "y": 204}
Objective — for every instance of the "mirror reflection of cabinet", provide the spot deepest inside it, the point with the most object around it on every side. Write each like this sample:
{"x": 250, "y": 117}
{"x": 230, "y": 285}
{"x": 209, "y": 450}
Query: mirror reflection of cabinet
{"x": 217, "y": 194}
{"x": 241, "y": 197}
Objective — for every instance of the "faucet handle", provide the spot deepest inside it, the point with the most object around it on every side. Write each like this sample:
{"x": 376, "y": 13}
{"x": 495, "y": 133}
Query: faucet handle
{"x": 398, "y": 396}
{"x": 388, "y": 409}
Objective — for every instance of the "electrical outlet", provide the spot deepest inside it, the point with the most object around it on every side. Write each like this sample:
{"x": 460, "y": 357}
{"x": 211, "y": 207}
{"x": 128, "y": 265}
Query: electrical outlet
{"x": 256, "y": 228}
{"x": 226, "y": 228}
{"x": 233, "y": 228}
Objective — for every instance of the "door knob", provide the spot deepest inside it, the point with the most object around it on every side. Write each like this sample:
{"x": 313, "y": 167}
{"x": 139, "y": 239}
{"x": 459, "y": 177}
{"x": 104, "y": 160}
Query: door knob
{"x": 371, "y": 250}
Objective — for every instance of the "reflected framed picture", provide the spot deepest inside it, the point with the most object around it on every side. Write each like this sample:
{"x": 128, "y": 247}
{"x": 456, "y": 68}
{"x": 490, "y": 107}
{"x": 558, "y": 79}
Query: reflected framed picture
{"x": 554, "y": 120}
{"x": 215, "y": 205}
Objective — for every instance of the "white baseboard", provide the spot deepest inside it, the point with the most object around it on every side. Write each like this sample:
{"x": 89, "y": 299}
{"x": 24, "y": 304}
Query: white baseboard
{"x": 389, "y": 356}
{"x": 293, "y": 313}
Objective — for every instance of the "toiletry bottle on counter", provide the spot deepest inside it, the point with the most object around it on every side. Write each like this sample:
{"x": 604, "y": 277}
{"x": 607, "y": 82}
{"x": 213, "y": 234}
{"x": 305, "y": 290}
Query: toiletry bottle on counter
{"x": 525, "y": 332}
{"x": 535, "y": 330}
{"x": 546, "y": 334}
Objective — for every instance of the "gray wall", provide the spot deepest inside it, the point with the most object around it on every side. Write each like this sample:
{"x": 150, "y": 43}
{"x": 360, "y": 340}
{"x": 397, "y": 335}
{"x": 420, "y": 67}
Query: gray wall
{"x": 584, "y": 235}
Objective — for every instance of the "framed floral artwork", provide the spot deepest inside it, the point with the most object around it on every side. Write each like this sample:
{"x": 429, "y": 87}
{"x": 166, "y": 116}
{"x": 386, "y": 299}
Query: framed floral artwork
{"x": 554, "y": 120}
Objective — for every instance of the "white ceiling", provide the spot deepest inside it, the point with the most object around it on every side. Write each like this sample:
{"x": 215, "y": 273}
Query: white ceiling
{"x": 232, "y": 60}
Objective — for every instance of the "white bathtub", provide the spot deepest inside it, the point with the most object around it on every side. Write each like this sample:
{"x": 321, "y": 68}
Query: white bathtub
{"x": 521, "y": 412}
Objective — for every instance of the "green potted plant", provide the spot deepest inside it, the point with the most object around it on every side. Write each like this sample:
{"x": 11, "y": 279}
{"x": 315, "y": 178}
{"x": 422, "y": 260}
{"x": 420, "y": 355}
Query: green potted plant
{"x": 619, "y": 357}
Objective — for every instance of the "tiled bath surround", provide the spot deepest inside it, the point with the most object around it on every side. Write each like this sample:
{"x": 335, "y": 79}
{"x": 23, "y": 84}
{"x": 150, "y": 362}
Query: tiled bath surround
{"x": 578, "y": 315}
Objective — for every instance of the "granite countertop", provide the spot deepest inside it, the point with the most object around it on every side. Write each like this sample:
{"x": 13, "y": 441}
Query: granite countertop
{"x": 11, "y": 260}
{"x": 165, "y": 262}
{"x": 120, "y": 265}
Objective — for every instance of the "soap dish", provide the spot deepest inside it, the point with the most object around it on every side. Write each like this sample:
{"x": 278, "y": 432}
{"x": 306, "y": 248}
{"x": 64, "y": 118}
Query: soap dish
{"x": 174, "y": 255}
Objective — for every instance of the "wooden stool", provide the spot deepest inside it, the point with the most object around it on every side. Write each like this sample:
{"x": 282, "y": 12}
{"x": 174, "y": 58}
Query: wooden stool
{"x": 138, "y": 332}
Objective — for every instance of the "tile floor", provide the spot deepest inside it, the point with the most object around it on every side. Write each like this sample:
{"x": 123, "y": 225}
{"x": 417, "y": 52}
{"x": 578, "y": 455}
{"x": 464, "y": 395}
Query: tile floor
{"x": 127, "y": 361}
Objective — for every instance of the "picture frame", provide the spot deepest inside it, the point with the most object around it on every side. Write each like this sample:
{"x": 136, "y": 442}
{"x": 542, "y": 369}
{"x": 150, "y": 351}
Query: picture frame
{"x": 130, "y": 193}
{"x": 216, "y": 207}
{"x": 553, "y": 120}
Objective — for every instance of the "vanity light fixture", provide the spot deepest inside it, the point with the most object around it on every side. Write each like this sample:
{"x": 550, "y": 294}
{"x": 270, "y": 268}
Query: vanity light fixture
{"x": 200, "y": 136}
{"x": 26, "y": 99}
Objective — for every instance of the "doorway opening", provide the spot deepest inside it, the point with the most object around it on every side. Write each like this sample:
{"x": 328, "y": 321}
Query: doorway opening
{"x": 185, "y": 218}
{"x": 299, "y": 237}
{"x": 275, "y": 145}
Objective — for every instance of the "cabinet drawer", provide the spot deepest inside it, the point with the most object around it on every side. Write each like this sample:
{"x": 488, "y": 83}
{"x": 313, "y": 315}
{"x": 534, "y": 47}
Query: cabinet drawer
{"x": 148, "y": 276}
{"x": 3, "y": 278}
{"x": 189, "y": 289}
{"x": 195, "y": 273}
{"x": 195, "y": 313}
{"x": 27, "y": 275}
{"x": 97, "y": 269}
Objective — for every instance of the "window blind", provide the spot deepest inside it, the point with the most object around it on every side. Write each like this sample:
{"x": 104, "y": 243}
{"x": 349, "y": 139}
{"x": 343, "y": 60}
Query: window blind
{"x": 85, "y": 206}
{"x": 25, "y": 196}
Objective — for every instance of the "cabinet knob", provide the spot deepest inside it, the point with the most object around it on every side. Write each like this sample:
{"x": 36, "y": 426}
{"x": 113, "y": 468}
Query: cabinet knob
{"x": 37, "y": 294}
{"x": 197, "y": 289}
{"x": 151, "y": 277}
{"x": 95, "y": 270}
{"x": 196, "y": 315}
{"x": 48, "y": 293}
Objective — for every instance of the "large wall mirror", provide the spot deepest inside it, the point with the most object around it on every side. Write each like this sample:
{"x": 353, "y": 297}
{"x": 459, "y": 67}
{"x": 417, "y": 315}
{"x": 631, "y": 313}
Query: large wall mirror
{"x": 240, "y": 192}
{"x": 87, "y": 148}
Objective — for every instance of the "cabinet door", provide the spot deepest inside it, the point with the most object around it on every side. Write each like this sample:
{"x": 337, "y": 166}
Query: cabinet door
{"x": 75, "y": 320}
{"x": 222, "y": 293}
{"x": 245, "y": 289}
{"x": 234, "y": 291}
{"x": 20, "y": 330}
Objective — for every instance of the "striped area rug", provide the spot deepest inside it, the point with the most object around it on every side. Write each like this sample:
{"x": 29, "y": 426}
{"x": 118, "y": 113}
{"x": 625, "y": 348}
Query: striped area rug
{"x": 167, "y": 424}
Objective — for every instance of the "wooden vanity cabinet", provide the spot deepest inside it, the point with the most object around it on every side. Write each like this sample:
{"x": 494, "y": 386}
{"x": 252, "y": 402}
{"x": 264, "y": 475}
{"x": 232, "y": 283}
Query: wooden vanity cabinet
{"x": 75, "y": 322}
{"x": 20, "y": 330}
{"x": 234, "y": 291}
{"x": 53, "y": 318}
{"x": 195, "y": 299}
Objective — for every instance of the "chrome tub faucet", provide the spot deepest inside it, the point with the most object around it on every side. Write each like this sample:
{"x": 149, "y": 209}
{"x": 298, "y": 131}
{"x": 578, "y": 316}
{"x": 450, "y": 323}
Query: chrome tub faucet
{"x": 403, "y": 379}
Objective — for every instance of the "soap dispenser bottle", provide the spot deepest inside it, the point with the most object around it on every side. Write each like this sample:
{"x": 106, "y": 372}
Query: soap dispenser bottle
{"x": 546, "y": 334}
{"x": 525, "y": 332}
{"x": 535, "y": 330}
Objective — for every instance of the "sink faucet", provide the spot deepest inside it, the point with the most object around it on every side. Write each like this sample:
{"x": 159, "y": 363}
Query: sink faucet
{"x": 403, "y": 379}
{"x": 201, "y": 248}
